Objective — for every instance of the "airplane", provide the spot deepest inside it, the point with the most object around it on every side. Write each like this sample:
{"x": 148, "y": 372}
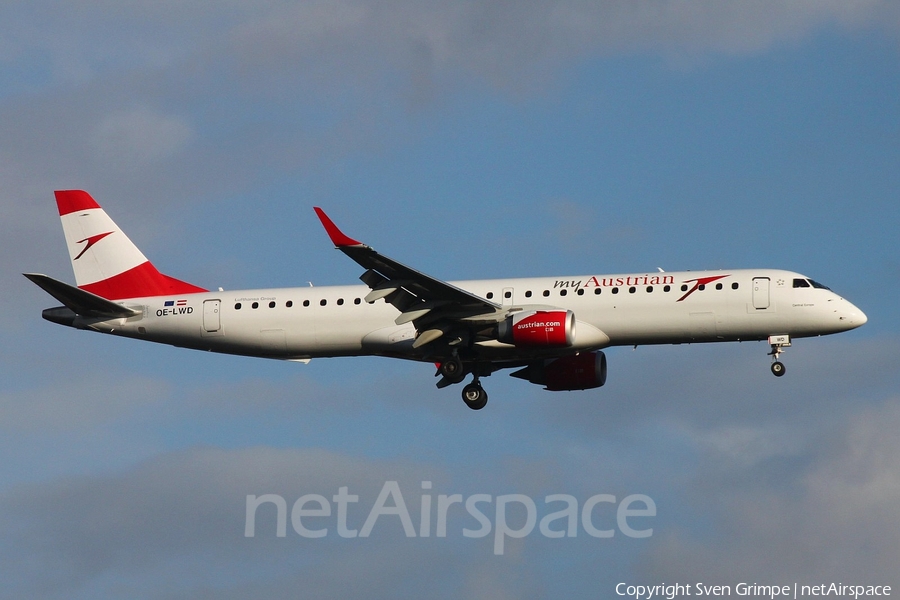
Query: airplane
{"x": 551, "y": 329}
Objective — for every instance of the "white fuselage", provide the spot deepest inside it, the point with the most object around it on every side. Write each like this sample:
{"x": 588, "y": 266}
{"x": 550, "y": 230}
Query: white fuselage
{"x": 647, "y": 308}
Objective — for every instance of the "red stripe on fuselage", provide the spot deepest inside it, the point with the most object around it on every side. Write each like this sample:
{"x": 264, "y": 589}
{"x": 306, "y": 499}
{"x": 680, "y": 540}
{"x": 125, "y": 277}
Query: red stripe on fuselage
{"x": 70, "y": 201}
{"x": 141, "y": 281}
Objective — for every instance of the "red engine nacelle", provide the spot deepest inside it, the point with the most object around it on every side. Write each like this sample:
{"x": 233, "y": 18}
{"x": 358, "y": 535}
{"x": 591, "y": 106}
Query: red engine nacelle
{"x": 549, "y": 328}
{"x": 575, "y": 372}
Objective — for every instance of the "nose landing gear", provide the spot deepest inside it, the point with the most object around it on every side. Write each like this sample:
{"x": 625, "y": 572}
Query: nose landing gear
{"x": 778, "y": 344}
{"x": 778, "y": 368}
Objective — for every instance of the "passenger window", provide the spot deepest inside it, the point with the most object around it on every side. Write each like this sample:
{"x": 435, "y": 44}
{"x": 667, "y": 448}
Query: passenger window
{"x": 734, "y": 285}
{"x": 306, "y": 303}
{"x": 528, "y": 294}
{"x": 580, "y": 292}
{"x": 507, "y": 294}
{"x": 684, "y": 288}
{"x": 632, "y": 289}
{"x": 255, "y": 305}
{"x": 667, "y": 288}
{"x": 718, "y": 286}
{"x": 272, "y": 304}
{"x": 237, "y": 306}
{"x": 490, "y": 295}
{"x": 323, "y": 302}
{"x": 649, "y": 289}
{"x": 563, "y": 292}
{"x": 340, "y": 301}
{"x": 356, "y": 301}
{"x": 289, "y": 303}
{"x": 615, "y": 290}
{"x": 597, "y": 291}
{"x": 546, "y": 292}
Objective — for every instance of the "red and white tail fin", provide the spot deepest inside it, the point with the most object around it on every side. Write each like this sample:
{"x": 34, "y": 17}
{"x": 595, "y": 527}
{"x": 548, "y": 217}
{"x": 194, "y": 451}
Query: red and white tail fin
{"x": 105, "y": 261}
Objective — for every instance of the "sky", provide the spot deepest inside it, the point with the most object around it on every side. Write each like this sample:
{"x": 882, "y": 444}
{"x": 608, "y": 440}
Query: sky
{"x": 470, "y": 140}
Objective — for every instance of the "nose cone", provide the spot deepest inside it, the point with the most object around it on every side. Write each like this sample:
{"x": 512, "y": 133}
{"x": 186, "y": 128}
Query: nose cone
{"x": 851, "y": 317}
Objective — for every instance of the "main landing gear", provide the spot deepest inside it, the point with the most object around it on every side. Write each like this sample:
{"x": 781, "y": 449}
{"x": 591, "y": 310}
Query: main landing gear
{"x": 778, "y": 344}
{"x": 454, "y": 371}
{"x": 474, "y": 395}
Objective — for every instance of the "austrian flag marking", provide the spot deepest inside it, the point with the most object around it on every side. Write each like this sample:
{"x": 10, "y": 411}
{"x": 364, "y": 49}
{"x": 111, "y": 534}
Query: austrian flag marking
{"x": 174, "y": 308}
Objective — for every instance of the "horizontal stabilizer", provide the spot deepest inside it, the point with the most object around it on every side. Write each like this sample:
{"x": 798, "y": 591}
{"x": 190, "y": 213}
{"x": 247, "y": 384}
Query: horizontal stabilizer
{"x": 81, "y": 302}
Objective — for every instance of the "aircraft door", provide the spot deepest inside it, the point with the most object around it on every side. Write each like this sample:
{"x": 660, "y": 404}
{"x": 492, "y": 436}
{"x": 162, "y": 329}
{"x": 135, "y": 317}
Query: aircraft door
{"x": 760, "y": 293}
{"x": 211, "y": 311}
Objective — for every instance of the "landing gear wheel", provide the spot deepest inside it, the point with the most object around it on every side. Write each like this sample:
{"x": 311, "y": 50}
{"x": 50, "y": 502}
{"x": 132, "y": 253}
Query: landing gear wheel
{"x": 452, "y": 369}
{"x": 474, "y": 396}
{"x": 778, "y": 344}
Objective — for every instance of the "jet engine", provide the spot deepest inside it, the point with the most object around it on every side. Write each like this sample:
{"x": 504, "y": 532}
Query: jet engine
{"x": 545, "y": 328}
{"x": 574, "y": 372}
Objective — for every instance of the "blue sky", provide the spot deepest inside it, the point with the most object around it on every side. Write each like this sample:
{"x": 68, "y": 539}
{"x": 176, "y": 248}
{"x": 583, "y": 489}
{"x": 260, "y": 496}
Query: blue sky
{"x": 469, "y": 140}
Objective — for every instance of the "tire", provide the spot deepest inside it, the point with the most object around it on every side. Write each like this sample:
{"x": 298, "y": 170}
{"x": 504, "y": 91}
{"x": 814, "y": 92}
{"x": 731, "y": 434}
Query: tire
{"x": 453, "y": 370}
{"x": 778, "y": 369}
{"x": 474, "y": 396}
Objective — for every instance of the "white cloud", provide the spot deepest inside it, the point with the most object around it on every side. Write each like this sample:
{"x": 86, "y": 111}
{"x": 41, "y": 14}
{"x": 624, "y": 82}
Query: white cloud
{"x": 500, "y": 41}
{"x": 177, "y": 523}
{"x": 832, "y": 516}
{"x": 320, "y": 78}
{"x": 514, "y": 44}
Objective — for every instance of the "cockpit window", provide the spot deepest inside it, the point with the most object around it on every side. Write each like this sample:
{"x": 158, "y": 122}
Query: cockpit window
{"x": 816, "y": 284}
{"x": 801, "y": 283}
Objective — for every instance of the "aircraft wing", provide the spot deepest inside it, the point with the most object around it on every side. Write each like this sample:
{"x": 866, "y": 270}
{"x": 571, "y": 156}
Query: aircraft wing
{"x": 434, "y": 306}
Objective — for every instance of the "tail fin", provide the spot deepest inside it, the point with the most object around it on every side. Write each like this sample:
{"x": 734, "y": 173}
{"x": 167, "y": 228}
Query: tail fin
{"x": 105, "y": 261}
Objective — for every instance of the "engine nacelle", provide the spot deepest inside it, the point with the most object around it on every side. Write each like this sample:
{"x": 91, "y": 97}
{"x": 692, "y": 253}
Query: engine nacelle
{"x": 574, "y": 372}
{"x": 543, "y": 328}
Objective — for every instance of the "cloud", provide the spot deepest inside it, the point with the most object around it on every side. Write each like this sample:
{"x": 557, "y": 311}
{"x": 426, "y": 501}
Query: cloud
{"x": 705, "y": 387}
{"x": 171, "y": 101}
{"x": 833, "y": 519}
{"x": 176, "y": 524}
{"x": 515, "y": 45}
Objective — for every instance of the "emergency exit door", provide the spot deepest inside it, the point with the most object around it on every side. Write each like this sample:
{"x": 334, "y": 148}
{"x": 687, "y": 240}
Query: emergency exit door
{"x": 211, "y": 321}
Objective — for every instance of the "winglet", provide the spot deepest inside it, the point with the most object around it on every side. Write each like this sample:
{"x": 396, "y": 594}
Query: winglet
{"x": 338, "y": 238}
